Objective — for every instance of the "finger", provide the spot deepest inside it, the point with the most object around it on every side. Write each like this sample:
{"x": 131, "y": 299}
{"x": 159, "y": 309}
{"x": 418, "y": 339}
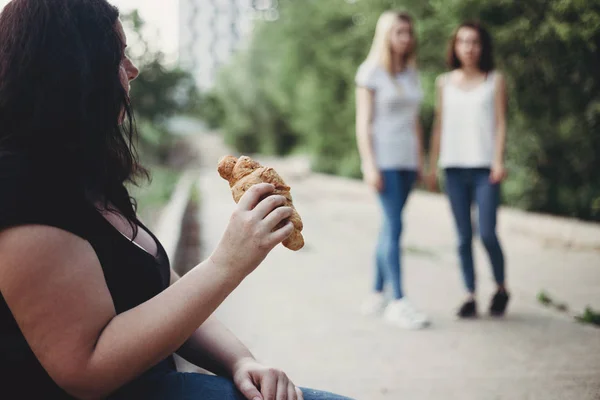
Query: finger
{"x": 268, "y": 386}
{"x": 250, "y": 199}
{"x": 299, "y": 394}
{"x": 276, "y": 216}
{"x": 281, "y": 234}
{"x": 282, "y": 388}
{"x": 292, "y": 394}
{"x": 250, "y": 392}
{"x": 267, "y": 205}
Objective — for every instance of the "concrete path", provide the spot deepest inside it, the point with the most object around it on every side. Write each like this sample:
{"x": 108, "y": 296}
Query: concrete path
{"x": 298, "y": 311}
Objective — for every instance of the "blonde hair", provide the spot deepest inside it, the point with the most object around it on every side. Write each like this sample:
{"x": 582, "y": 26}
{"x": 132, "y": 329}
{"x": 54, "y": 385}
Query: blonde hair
{"x": 381, "y": 50}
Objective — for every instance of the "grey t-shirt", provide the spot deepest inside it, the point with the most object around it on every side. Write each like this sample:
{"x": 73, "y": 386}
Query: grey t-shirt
{"x": 395, "y": 112}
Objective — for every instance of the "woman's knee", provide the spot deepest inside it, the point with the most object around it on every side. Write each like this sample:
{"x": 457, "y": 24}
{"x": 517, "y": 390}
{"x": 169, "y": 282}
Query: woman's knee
{"x": 465, "y": 239}
{"x": 396, "y": 232}
{"x": 394, "y": 227}
{"x": 488, "y": 237}
{"x": 390, "y": 234}
{"x": 209, "y": 387}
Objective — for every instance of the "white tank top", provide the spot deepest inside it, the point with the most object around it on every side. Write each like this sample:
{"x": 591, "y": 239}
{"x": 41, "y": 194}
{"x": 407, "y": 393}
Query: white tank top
{"x": 468, "y": 125}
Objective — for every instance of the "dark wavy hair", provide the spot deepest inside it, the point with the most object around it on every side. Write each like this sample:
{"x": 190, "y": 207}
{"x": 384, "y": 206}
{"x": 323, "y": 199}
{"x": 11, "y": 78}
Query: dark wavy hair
{"x": 486, "y": 60}
{"x": 61, "y": 100}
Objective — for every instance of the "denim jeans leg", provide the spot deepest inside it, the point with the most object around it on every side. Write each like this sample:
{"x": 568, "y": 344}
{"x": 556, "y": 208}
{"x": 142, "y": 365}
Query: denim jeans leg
{"x": 459, "y": 189}
{"x": 487, "y": 197}
{"x": 397, "y": 186}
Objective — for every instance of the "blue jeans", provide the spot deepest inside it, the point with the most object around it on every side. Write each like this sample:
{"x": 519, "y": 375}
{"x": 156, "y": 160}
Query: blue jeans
{"x": 163, "y": 382}
{"x": 465, "y": 186}
{"x": 397, "y": 185}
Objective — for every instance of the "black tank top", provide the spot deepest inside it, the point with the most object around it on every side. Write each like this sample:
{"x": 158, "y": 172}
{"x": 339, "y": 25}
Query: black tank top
{"x": 133, "y": 276}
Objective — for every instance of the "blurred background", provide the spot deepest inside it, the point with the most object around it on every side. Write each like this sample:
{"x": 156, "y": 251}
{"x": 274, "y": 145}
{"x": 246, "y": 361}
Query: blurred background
{"x": 291, "y": 88}
{"x": 275, "y": 79}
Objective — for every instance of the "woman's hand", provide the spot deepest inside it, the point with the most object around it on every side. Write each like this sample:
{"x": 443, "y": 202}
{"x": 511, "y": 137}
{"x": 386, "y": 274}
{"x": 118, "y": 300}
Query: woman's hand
{"x": 372, "y": 177}
{"x": 258, "y": 382}
{"x": 249, "y": 236}
{"x": 432, "y": 181}
{"x": 421, "y": 178}
{"x": 498, "y": 173}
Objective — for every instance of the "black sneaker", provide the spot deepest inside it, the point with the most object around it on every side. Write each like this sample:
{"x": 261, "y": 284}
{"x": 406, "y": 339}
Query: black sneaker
{"x": 468, "y": 310}
{"x": 498, "y": 303}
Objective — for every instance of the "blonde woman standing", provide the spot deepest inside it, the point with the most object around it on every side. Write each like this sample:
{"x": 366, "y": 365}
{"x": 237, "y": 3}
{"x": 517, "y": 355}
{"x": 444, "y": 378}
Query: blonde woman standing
{"x": 390, "y": 143}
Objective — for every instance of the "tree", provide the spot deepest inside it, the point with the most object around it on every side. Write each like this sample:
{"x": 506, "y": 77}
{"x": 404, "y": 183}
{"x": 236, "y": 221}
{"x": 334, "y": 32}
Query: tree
{"x": 550, "y": 52}
{"x": 293, "y": 88}
{"x": 158, "y": 93}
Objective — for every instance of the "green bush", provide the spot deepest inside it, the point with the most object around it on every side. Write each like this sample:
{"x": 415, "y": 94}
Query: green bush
{"x": 292, "y": 89}
{"x": 550, "y": 51}
{"x": 159, "y": 92}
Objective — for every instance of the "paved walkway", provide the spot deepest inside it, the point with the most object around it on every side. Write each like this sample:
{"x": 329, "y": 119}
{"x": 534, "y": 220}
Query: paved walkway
{"x": 298, "y": 311}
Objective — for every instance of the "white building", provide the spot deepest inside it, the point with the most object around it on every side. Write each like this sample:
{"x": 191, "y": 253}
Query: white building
{"x": 210, "y": 31}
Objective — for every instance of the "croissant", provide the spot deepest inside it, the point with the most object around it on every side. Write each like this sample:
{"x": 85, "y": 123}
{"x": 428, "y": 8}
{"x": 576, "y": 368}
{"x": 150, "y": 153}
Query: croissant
{"x": 245, "y": 172}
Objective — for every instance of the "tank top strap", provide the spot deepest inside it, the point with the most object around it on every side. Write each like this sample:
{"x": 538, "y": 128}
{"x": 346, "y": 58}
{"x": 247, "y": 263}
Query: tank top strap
{"x": 491, "y": 78}
{"x": 446, "y": 79}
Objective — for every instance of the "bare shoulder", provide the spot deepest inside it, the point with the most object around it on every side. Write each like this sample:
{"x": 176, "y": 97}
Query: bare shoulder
{"x": 441, "y": 80}
{"x": 54, "y": 285}
{"x": 365, "y": 95}
{"x": 31, "y": 247}
{"x": 500, "y": 86}
{"x": 39, "y": 262}
{"x": 499, "y": 78}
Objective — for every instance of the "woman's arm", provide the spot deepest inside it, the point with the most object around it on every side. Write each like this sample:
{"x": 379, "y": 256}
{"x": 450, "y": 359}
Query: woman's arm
{"x": 60, "y": 300}
{"x": 364, "y": 136}
{"x": 54, "y": 285}
{"x": 498, "y": 172}
{"x": 420, "y": 146}
{"x": 434, "y": 148}
{"x": 213, "y": 347}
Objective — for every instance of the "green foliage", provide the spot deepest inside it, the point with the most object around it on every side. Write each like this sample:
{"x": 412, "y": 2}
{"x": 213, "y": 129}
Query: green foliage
{"x": 589, "y": 316}
{"x": 154, "y": 195}
{"x": 159, "y": 92}
{"x": 550, "y": 52}
{"x": 544, "y": 298}
{"x": 210, "y": 110}
{"x": 293, "y": 88}
{"x": 297, "y": 76}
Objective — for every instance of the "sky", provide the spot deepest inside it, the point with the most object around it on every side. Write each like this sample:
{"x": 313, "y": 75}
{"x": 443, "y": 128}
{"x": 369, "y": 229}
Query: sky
{"x": 161, "y": 18}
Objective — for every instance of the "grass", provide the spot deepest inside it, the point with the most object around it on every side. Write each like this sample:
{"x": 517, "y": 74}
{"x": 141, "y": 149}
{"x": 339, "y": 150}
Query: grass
{"x": 195, "y": 194}
{"x": 420, "y": 251}
{"x": 589, "y": 316}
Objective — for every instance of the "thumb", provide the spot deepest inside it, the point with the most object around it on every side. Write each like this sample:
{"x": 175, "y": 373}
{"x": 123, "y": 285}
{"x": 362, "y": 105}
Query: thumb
{"x": 249, "y": 390}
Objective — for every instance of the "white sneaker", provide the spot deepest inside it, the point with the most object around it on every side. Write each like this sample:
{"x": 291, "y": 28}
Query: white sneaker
{"x": 401, "y": 313}
{"x": 374, "y": 304}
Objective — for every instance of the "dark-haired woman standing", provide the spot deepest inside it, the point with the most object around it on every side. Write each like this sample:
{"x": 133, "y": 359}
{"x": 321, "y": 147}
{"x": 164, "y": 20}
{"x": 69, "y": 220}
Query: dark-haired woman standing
{"x": 89, "y": 305}
{"x": 469, "y": 137}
